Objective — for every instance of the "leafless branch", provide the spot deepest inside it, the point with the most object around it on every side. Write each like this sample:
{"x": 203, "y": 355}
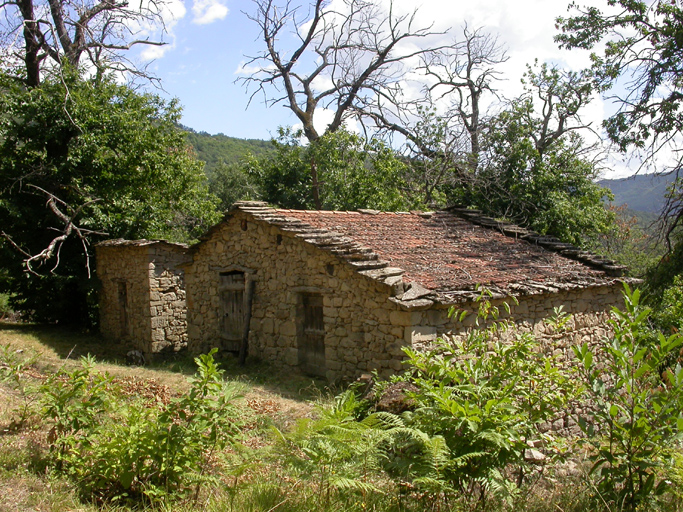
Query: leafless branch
{"x": 342, "y": 58}
{"x": 69, "y": 31}
{"x": 69, "y": 228}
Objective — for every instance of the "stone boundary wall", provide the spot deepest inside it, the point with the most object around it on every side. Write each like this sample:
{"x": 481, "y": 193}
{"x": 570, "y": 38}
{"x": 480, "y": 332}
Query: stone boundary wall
{"x": 142, "y": 294}
{"x": 364, "y": 329}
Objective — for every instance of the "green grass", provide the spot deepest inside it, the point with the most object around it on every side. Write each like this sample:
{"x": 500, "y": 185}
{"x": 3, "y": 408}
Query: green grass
{"x": 251, "y": 476}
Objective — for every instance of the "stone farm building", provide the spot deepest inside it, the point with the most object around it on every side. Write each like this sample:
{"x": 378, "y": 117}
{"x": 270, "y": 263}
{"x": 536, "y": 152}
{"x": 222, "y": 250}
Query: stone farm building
{"x": 338, "y": 294}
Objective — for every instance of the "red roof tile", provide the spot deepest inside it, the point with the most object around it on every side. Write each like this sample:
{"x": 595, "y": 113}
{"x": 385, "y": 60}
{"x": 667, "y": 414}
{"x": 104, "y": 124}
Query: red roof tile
{"x": 446, "y": 253}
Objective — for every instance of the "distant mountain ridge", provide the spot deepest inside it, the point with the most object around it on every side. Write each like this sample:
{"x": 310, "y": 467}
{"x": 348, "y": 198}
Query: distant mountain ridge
{"x": 642, "y": 192}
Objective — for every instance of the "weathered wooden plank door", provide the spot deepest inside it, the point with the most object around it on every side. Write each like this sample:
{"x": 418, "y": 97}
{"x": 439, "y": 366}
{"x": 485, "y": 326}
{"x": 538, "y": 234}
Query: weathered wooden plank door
{"x": 231, "y": 292}
{"x": 312, "y": 336}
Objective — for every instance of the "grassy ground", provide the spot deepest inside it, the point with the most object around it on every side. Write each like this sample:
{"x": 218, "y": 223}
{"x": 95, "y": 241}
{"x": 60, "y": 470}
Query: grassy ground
{"x": 256, "y": 483}
{"x": 270, "y": 398}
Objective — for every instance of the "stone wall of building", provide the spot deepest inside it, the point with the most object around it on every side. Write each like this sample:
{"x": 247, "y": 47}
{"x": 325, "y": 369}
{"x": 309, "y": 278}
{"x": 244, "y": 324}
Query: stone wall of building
{"x": 167, "y": 294}
{"x": 142, "y": 294}
{"x": 358, "y": 331}
{"x": 588, "y": 310}
{"x": 363, "y": 329}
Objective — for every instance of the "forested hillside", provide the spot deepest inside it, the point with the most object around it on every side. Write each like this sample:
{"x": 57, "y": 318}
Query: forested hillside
{"x": 214, "y": 149}
{"x": 643, "y": 193}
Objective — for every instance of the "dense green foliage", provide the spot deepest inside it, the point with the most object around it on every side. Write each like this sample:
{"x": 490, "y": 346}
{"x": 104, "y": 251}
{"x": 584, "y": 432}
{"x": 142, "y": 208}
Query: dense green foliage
{"x": 528, "y": 162}
{"x": 642, "y": 40}
{"x": 351, "y": 173}
{"x": 635, "y": 423}
{"x": 550, "y": 190}
{"x": 669, "y": 316}
{"x": 118, "y": 449}
{"x": 82, "y": 161}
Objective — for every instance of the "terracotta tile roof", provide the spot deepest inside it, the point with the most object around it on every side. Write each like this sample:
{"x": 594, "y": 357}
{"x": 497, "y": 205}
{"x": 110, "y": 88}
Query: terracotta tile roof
{"x": 447, "y": 252}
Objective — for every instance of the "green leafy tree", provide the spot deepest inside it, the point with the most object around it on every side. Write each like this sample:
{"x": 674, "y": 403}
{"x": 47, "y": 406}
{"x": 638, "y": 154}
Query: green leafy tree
{"x": 537, "y": 170}
{"x": 352, "y": 173}
{"x": 80, "y": 161}
{"x": 641, "y": 57}
{"x": 230, "y": 183}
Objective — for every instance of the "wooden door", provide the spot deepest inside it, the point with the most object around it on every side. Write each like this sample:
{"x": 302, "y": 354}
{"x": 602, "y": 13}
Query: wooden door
{"x": 232, "y": 302}
{"x": 312, "y": 335}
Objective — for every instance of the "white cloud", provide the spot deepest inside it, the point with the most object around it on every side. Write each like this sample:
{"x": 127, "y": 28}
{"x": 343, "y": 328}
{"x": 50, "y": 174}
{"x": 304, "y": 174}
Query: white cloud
{"x": 252, "y": 69}
{"x": 171, "y": 12}
{"x": 208, "y": 11}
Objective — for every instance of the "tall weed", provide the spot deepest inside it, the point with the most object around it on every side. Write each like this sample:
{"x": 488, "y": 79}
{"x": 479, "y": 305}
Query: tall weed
{"x": 635, "y": 425}
{"x": 116, "y": 449}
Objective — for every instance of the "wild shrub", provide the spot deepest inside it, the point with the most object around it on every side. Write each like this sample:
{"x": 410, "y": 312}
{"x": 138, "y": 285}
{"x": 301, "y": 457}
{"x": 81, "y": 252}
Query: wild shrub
{"x": 117, "y": 450}
{"x": 669, "y": 314}
{"x": 13, "y": 365}
{"x": 479, "y": 401}
{"x": 635, "y": 425}
{"x": 486, "y": 396}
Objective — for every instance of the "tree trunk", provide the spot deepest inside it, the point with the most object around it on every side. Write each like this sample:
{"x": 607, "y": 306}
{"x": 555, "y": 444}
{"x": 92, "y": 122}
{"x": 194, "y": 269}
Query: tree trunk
{"x": 315, "y": 185}
{"x": 32, "y": 41}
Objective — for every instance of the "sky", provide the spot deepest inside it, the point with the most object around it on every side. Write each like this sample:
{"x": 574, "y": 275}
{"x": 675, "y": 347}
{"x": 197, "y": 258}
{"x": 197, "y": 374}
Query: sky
{"x": 209, "y": 41}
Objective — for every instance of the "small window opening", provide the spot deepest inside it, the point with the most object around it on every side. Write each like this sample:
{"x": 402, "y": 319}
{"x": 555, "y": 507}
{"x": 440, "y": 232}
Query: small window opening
{"x": 243, "y": 224}
{"x": 123, "y": 307}
{"x": 278, "y": 239}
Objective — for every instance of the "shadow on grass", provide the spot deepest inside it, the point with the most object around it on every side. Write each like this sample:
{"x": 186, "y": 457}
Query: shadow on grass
{"x": 72, "y": 344}
{"x": 68, "y": 343}
{"x": 286, "y": 383}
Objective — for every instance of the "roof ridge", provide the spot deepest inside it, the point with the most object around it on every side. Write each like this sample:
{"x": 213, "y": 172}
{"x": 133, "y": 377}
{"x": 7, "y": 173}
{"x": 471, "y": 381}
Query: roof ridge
{"x": 552, "y": 243}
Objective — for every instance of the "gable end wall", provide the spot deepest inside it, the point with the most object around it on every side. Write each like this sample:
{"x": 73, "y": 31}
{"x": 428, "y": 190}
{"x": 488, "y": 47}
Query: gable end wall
{"x": 363, "y": 329}
{"x": 155, "y": 289}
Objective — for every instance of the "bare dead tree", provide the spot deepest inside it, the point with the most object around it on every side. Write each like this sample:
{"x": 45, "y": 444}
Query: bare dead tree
{"x": 70, "y": 31}
{"x": 462, "y": 73}
{"x": 352, "y": 60}
{"x": 346, "y": 60}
